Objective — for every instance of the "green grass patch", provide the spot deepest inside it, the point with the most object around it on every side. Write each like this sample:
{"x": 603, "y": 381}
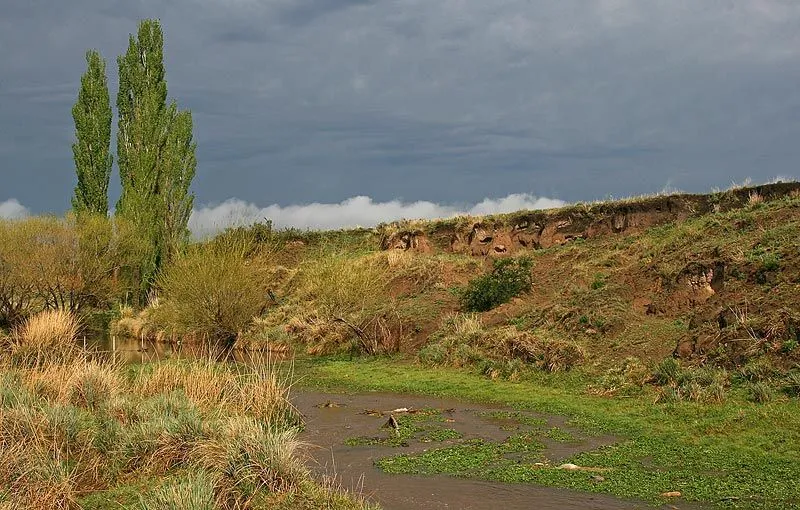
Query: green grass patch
{"x": 738, "y": 451}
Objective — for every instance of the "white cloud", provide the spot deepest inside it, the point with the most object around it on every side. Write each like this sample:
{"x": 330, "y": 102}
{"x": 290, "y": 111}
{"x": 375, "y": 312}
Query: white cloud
{"x": 355, "y": 211}
{"x": 12, "y": 209}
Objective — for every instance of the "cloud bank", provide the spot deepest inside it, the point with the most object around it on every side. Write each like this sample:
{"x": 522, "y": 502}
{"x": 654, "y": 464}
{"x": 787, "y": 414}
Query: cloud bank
{"x": 11, "y": 209}
{"x": 356, "y": 211}
{"x": 452, "y": 101}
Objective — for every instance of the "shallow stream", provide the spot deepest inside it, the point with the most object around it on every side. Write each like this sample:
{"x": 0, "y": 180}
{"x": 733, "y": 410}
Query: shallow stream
{"x": 331, "y": 419}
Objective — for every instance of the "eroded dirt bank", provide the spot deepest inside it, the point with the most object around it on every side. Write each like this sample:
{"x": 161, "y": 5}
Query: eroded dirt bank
{"x": 505, "y": 234}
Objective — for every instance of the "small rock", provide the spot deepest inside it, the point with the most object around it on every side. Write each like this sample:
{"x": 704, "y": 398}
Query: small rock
{"x": 597, "y": 478}
{"x": 569, "y": 467}
{"x": 671, "y": 494}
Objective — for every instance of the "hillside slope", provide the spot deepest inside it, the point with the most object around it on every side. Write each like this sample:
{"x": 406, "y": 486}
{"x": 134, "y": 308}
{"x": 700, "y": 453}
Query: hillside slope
{"x": 706, "y": 277}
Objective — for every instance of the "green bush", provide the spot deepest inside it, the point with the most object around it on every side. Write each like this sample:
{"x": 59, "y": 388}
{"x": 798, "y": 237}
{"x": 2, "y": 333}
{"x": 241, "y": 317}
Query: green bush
{"x": 212, "y": 291}
{"x": 509, "y": 278}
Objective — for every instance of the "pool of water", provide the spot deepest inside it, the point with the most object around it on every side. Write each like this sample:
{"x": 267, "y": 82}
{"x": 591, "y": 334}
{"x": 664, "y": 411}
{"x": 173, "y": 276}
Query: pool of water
{"x": 332, "y": 418}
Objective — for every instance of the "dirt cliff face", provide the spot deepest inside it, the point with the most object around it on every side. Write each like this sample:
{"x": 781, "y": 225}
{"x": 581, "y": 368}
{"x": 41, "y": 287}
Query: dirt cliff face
{"x": 497, "y": 236}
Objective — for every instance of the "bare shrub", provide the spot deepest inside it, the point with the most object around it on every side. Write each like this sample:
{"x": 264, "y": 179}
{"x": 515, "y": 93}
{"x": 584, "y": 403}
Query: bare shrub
{"x": 352, "y": 292}
{"x": 211, "y": 291}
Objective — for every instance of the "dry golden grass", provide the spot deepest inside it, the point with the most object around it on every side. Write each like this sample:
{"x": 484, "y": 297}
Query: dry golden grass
{"x": 34, "y": 445}
{"x": 257, "y": 390}
{"x": 755, "y": 198}
{"x": 46, "y": 336}
{"x": 343, "y": 302}
{"x": 422, "y": 271}
{"x": 340, "y": 285}
{"x": 548, "y": 353}
{"x": 203, "y": 382}
{"x": 466, "y": 324}
{"x": 35, "y": 480}
{"x": 83, "y": 382}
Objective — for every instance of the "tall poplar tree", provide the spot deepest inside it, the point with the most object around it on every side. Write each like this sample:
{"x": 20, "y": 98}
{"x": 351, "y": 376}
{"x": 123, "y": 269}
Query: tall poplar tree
{"x": 155, "y": 150}
{"x": 180, "y": 164}
{"x": 92, "y": 150}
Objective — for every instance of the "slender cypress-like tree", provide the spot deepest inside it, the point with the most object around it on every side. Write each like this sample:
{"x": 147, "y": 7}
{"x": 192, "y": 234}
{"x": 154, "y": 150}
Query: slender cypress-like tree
{"x": 92, "y": 151}
{"x": 155, "y": 151}
{"x": 179, "y": 168}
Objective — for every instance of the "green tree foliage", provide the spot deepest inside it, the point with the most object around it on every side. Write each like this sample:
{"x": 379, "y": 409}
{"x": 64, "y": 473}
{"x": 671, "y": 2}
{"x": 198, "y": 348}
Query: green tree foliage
{"x": 91, "y": 151}
{"x": 180, "y": 166}
{"x": 70, "y": 264}
{"x": 508, "y": 278}
{"x": 155, "y": 151}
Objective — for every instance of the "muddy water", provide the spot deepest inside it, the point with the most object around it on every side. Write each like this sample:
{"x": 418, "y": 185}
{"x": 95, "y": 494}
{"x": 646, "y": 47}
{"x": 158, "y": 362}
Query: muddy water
{"x": 332, "y": 418}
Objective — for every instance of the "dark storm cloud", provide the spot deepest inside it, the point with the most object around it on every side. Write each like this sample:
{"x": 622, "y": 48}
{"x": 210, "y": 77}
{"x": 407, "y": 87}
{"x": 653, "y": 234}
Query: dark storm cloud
{"x": 304, "y": 12}
{"x": 300, "y": 101}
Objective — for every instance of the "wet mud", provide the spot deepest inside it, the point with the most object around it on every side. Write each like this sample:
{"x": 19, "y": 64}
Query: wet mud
{"x": 332, "y": 419}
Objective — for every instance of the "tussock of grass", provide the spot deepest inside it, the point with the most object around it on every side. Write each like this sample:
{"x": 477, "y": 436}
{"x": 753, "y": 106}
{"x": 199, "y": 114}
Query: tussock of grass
{"x": 258, "y": 390}
{"x": 222, "y": 436}
{"x": 251, "y": 456}
{"x": 690, "y": 383}
{"x": 194, "y": 490}
{"x": 45, "y": 337}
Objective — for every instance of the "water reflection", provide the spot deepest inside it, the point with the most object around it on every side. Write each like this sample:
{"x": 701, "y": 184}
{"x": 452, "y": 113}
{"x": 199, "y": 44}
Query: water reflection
{"x": 132, "y": 350}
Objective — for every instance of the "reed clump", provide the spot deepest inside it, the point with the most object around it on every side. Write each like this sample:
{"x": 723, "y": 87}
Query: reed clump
{"x": 197, "y": 434}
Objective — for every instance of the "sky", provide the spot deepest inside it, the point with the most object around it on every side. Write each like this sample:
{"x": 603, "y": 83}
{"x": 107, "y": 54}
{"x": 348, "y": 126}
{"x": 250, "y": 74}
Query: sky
{"x": 329, "y": 113}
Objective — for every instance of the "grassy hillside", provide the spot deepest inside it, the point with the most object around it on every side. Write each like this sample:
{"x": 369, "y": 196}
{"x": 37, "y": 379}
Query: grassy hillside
{"x": 710, "y": 287}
